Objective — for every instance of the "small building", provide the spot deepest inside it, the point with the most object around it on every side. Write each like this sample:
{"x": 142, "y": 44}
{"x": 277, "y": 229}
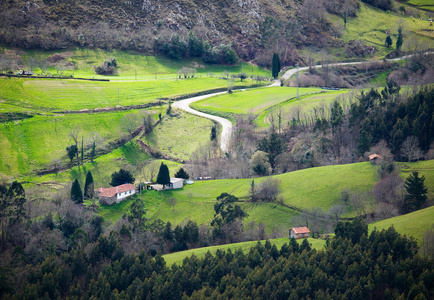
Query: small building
{"x": 375, "y": 159}
{"x": 299, "y": 232}
{"x": 176, "y": 183}
{"x": 115, "y": 194}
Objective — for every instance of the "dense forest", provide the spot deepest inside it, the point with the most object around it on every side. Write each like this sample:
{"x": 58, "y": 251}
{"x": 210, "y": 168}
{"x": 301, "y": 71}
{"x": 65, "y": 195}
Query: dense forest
{"x": 383, "y": 265}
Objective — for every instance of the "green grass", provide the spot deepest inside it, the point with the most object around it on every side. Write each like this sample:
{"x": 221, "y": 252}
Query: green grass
{"x": 178, "y": 257}
{"x": 425, "y": 168}
{"x": 133, "y": 65}
{"x": 412, "y": 224}
{"x": 251, "y": 101}
{"x": 420, "y": 2}
{"x": 371, "y": 24}
{"x": 30, "y": 144}
{"x": 306, "y": 104}
{"x": 180, "y": 135}
{"x": 56, "y": 94}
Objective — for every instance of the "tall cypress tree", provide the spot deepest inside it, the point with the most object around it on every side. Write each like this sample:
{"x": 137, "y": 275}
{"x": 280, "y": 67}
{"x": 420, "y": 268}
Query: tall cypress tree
{"x": 399, "y": 40}
{"x": 76, "y": 193}
{"x": 163, "y": 176}
{"x": 89, "y": 192}
{"x": 275, "y": 65}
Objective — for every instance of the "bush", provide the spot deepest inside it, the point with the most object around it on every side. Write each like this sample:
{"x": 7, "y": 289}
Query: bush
{"x": 108, "y": 67}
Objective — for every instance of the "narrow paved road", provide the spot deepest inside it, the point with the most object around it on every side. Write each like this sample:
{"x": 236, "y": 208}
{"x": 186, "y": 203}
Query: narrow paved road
{"x": 227, "y": 125}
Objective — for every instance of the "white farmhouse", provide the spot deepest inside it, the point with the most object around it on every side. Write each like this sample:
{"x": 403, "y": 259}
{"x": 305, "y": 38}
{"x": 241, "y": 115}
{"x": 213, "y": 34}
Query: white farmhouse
{"x": 115, "y": 194}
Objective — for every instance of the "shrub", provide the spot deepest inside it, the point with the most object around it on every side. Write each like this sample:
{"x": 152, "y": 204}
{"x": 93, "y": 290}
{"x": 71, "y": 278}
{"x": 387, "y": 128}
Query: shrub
{"x": 108, "y": 67}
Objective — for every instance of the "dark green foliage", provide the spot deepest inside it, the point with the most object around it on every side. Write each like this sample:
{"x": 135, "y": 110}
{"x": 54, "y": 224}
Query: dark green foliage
{"x": 122, "y": 177}
{"x": 182, "y": 174}
{"x": 337, "y": 116}
{"x": 273, "y": 146}
{"x": 388, "y": 42}
{"x": 382, "y": 266}
{"x": 195, "y": 45}
{"x": 352, "y": 230}
{"x": 381, "y": 4}
{"x": 163, "y": 176}
{"x": 399, "y": 40}
{"x": 12, "y": 209}
{"x": 137, "y": 213}
{"x": 275, "y": 65}
{"x": 108, "y": 67}
{"x": 416, "y": 192}
{"x": 72, "y": 151}
{"x": 76, "y": 192}
{"x": 89, "y": 186}
{"x": 213, "y": 133}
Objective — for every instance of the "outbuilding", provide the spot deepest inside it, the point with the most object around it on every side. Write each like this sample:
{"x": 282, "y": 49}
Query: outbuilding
{"x": 299, "y": 232}
{"x": 176, "y": 183}
{"x": 115, "y": 194}
{"x": 375, "y": 158}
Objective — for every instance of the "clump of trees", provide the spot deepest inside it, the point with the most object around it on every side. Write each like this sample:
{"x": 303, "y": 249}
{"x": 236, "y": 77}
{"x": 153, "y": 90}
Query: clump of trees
{"x": 121, "y": 177}
{"x": 108, "y": 67}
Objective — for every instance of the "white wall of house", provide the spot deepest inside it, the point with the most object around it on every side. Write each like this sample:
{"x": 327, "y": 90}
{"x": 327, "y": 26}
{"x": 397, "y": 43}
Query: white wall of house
{"x": 123, "y": 195}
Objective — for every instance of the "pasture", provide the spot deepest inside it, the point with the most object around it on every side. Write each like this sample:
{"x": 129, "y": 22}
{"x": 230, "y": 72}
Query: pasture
{"x": 413, "y": 224}
{"x": 178, "y": 257}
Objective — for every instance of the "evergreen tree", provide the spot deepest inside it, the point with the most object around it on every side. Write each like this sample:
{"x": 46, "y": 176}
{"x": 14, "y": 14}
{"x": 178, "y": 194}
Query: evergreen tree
{"x": 163, "y": 176}
{"x": 182, "y": 174}
{"x": 399, "y": 40}
{"x": 72, "y": 150}
{"x": 89, "y": 186}
{"x": 213, "y": 132}
{"x": 122, "y": 177}
{"x": 388, "y": 42}
{"x": 275, "y": 65}
{"x": 76, "y": 193}
{"x": 82, "y": 151}
{"x": 416, "y": 192}
{"x": 195, "y": 45}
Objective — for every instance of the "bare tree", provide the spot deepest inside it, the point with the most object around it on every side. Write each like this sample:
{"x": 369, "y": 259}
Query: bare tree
{"x": 410, "y": 148}
{"x": 148, "y": 122}
{"x": 150, "y": 171}
{"x": 129, "y": 123}
{"x": 73, "y": 133}
{"x": 269, "y": 189}
{"x": 336, "y": 211}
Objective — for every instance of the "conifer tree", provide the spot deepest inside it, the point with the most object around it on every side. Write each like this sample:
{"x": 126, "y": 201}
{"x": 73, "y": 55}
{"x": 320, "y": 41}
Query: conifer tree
{"x": 76, "y": 193}
{"x": 163, "y": 176}
{"x": 275, "y": 65}
{"x": 399, "y": 40}
{"x": 89, "y": 186}
{"x": 416, "y": 192}
{"x": 182, "y": 174}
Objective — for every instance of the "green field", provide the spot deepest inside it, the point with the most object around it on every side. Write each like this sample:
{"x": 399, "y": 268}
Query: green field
{"x": 425, "y": 168}
{"x": 371, "y": 24}
{"x": 56, "y": 94}
{"x": 131, "y": 65}
{"x": 250, "y": 101}
{"x": 412, "y": 224}
{"x": 178, "y": 257}
{"x": 25, "y": 144}
{"x": 305, "y": 105}
{"x": 180, "y": 134}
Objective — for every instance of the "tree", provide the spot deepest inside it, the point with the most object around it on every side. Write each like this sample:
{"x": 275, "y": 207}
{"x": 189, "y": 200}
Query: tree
{"x": 72, "y": 151}
{"x": 74, "y": 135}
{"x": 182, "y": 174}
{"x": 122, "y": 177}
{"x": 12, "y": 210}
{"x": 269, "y": 189}
{"x": 213, "y": 133}
{"x": 399, "y": 40}
{"x": 89, "y": 186}
{"x": 195, "y": 45}
{"x": 163, "y": 176}
{"x": 108, "y": 67}
{"x": 416, "y": 192}
{"x": 273, "y": 146}
{"x": 129, "y": 123}
{"x": 410, "y": 148}
{"x": 137, "y": 213}
{"x": 76, "y": 193}
{"x": 388, "y": 42}
{"x": 337, "y": 116}
{"x": 275, "y": 65}
{"x": 260, "y": 163}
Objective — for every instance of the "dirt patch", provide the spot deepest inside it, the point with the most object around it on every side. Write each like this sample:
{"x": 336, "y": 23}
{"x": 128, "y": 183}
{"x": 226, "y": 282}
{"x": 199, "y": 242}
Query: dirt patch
{"x": 55, "y": 58}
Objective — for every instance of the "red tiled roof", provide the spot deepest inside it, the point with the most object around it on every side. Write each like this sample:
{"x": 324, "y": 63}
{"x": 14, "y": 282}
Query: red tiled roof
{"x": 110, "y": 192}
{"x": 298, "y": 230}
{"x": 374, "y": 156}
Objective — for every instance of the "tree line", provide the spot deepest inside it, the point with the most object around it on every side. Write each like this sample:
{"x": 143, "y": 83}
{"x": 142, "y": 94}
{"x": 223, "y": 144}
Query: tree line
{"x": 353, "y": 265}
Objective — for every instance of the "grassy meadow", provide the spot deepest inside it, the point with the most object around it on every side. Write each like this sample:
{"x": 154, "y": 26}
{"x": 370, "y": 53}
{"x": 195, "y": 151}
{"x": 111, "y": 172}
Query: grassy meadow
{"x": 178, "y": 257}
{"x": 412, "y": 224}
{"x": 180, "y": 134}
{"x": 371, "y": 24}
{"x": 25, "y": 144}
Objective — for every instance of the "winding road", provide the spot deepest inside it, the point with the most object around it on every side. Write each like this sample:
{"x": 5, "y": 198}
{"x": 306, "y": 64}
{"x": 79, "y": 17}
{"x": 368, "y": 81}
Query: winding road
{"x": 227, "y": 125}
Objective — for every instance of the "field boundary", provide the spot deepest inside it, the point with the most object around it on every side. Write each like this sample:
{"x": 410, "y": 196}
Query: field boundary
{"x": 52, "y": 77}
